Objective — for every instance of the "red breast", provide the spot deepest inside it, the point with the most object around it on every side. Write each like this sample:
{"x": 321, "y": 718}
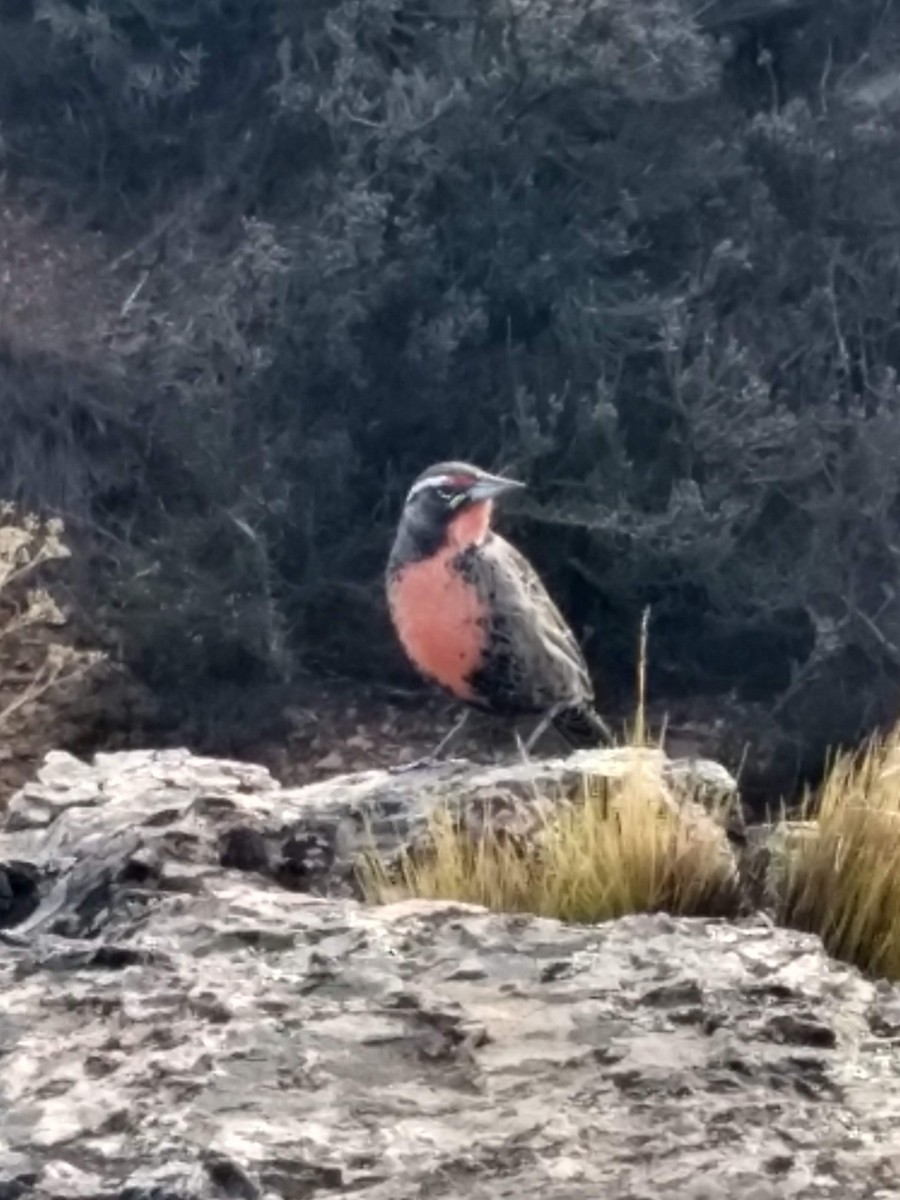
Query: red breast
{"x": 439, "y": 618}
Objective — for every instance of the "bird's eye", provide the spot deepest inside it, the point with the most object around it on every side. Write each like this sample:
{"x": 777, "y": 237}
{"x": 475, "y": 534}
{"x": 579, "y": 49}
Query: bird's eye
{"x": 445, "y": 494}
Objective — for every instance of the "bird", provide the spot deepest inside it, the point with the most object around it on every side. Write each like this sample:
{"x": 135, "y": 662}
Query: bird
{"x": 473, "y": 616}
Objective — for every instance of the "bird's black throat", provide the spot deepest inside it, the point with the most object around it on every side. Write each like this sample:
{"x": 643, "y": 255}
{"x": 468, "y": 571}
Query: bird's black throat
{"x": 416, "y": 540}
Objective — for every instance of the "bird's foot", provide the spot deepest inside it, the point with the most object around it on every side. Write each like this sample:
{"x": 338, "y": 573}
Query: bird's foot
{"x": 524, "y": 748}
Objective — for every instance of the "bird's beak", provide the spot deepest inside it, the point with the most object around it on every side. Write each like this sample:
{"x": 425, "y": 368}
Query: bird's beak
{"x": 489, "y": 487}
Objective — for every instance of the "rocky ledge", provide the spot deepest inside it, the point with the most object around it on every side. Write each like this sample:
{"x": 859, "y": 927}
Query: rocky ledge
{"x": 188, "y": 1009}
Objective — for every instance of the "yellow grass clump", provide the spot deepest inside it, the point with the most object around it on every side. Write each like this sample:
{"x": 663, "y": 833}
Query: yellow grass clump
{"x": 843, "y": 882}
{"x": 620, "y": 847}
{"x": 592, "y": 860}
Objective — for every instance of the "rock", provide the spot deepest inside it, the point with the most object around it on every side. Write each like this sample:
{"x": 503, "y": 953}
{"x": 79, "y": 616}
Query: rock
{"x": 172, "y": 814}
{"x": 765, "y": 858}
{"x": 179, "y": 1022}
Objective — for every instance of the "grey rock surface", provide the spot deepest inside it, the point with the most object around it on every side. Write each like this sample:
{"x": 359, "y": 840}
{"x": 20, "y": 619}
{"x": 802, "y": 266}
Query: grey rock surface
{"x": 160, "y": 813}
{"x": 175, "y": 1026}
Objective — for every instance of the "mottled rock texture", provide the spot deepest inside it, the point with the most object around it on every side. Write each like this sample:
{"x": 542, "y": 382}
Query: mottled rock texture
{"x": 168, "y": 812}
{"x": 179, "y": 1019}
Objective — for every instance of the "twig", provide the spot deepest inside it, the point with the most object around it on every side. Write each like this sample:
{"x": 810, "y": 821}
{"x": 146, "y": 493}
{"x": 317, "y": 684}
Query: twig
{"x": 134, "y": 293}
{"x": 49, "y": 676}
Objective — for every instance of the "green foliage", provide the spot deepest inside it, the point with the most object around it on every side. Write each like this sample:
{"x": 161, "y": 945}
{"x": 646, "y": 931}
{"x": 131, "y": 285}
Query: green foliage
{"x": 643, "y": 253}
{"x": 119, "y": 99}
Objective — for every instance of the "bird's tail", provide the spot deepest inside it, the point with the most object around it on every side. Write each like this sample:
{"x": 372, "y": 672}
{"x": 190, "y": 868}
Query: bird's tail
{"x": 582, "y": 727}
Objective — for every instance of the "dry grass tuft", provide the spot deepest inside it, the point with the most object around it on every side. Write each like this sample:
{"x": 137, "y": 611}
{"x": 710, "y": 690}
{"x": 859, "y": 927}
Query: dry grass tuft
{"x": 844, "y": 882}
{"x": 592, "y": 860}
{"x": 619, "y": 848}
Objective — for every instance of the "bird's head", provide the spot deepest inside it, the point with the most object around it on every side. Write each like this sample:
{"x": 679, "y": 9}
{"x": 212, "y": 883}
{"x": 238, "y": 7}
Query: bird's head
{"x": 452, "y": 502}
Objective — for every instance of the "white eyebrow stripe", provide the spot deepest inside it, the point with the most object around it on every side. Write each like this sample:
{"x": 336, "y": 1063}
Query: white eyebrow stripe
{"x": 434, "y": 481}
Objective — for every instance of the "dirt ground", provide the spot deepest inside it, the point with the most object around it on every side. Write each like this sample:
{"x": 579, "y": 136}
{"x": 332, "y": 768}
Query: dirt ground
{"x": 343, "y": 727}
{"x": 346, "y": 728}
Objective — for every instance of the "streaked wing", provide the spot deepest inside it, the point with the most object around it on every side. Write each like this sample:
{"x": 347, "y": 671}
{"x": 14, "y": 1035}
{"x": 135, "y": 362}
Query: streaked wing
{"x": 532, "y": 626}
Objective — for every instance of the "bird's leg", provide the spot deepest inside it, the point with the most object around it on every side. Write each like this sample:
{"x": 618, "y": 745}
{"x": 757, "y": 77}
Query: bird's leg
{"x": 542, "y": 726}
{"x": 520, "y": 746}
{"x": 454, "y": 731}
{"x": 431, "y": 759}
